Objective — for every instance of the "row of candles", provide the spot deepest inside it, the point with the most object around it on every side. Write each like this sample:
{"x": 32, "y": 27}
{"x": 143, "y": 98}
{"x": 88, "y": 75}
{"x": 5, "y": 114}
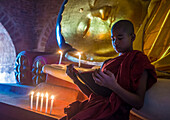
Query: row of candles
{"x": 42, "y": 96}
{"x": 61, "y": 55}
{"x": 46, "y": 95}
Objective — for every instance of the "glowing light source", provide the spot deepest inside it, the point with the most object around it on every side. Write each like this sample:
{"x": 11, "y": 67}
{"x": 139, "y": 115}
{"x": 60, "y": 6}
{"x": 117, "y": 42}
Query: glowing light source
{"x": 46, "y": 95}
{"x": 61, "y": 55}
{"x": 42, "y": 95}
{"x": 79, "y": 54}
{"x": 32, "y": 95}
{"x": 38, "y": 94}
{"x": 52, "y": 100}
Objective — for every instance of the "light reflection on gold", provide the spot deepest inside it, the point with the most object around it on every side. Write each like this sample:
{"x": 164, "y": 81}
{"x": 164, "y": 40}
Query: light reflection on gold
{"x": 86, "y": 24}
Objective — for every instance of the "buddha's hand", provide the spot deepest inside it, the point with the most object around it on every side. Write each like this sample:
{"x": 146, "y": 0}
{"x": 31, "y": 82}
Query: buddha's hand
{"x": 105, "y": 78}
{"x": 71, "y": 72}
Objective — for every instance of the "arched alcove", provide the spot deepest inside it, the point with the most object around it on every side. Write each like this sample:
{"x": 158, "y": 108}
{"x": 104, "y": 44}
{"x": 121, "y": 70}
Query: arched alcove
{"x": 46, "y": 33}
{"x": 7, "y": 57}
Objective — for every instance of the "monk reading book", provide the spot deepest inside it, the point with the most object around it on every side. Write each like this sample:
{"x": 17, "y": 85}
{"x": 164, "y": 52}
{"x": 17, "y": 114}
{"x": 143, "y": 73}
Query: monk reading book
{"x": 87, "y": 79}
{"x": 128, "y": 76}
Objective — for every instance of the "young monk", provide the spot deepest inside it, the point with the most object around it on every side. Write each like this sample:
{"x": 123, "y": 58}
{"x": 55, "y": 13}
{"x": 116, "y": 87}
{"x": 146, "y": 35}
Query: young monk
{"x": 128, "y": 76}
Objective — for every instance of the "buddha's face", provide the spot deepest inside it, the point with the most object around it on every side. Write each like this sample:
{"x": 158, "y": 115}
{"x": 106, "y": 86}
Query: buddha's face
{"x": 86, "y": 24}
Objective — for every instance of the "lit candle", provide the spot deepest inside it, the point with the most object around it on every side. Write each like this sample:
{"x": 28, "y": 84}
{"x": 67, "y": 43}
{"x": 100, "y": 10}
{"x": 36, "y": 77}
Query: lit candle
{"x": 52, "y": 100}
{"x": 79, "y": 54}
{"x": 32, "y": 95}
{"x": 42, "y": 95}
{"x": 38, "y": 94}
{"x": 46, "y": 95}
{"x": 61, "y": 55}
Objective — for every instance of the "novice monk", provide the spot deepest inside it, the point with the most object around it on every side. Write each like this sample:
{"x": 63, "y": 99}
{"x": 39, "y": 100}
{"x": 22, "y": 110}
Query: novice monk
{"x": 129, "y": 76}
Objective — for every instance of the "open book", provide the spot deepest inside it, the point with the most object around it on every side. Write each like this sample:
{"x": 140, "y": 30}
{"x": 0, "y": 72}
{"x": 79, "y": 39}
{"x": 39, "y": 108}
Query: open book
{"x": 84, "y": 74}
{"x": 87, "y": 79}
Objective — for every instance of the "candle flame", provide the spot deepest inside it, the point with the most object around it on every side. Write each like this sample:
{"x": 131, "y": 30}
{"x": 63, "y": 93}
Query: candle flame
{"x": 38, "y": 94}
{"x": 60, "y": 52}
{"x": 42, "y": 95}
{"x": 32, "y": 93}
{"x": 46, "y": 95}
{"x": 52, "y": 97}
{"x": 79, "y": 53}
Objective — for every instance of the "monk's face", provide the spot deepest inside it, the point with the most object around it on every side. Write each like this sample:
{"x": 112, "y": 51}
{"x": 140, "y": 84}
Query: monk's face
{"x": 121, "y": 41}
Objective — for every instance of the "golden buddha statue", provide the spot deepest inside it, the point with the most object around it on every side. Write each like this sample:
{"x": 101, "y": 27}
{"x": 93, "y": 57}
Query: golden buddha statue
{"x": 86, "y": 24}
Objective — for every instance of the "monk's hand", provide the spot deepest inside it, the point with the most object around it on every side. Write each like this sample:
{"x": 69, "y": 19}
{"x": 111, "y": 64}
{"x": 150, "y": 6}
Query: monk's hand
{"x": 72, "y": 109}
{"x": 105, "y": 78}
{"x": 71, "y": 72}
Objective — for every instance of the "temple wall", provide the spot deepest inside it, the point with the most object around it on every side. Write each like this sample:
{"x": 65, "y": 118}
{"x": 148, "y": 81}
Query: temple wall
{"x": 30, "y": 22}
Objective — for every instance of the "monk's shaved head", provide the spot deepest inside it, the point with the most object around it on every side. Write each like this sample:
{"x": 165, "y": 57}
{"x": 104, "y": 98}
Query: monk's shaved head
{"x": 125, "y": 25}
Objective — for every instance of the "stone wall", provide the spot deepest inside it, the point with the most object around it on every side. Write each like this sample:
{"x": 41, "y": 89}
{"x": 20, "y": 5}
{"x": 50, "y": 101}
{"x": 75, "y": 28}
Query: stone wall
{"x": 30, "y": 22}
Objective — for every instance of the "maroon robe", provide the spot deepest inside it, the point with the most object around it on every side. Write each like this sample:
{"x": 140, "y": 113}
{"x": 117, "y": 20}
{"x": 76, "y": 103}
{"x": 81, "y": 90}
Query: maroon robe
{"x": 127, "y": 69}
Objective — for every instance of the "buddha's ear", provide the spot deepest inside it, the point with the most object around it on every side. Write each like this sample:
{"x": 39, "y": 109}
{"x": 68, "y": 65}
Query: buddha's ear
{"x": 133, "y": 36}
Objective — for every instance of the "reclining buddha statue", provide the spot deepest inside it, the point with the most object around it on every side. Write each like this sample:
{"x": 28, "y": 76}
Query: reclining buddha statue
{"x": 84, "y": 26}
